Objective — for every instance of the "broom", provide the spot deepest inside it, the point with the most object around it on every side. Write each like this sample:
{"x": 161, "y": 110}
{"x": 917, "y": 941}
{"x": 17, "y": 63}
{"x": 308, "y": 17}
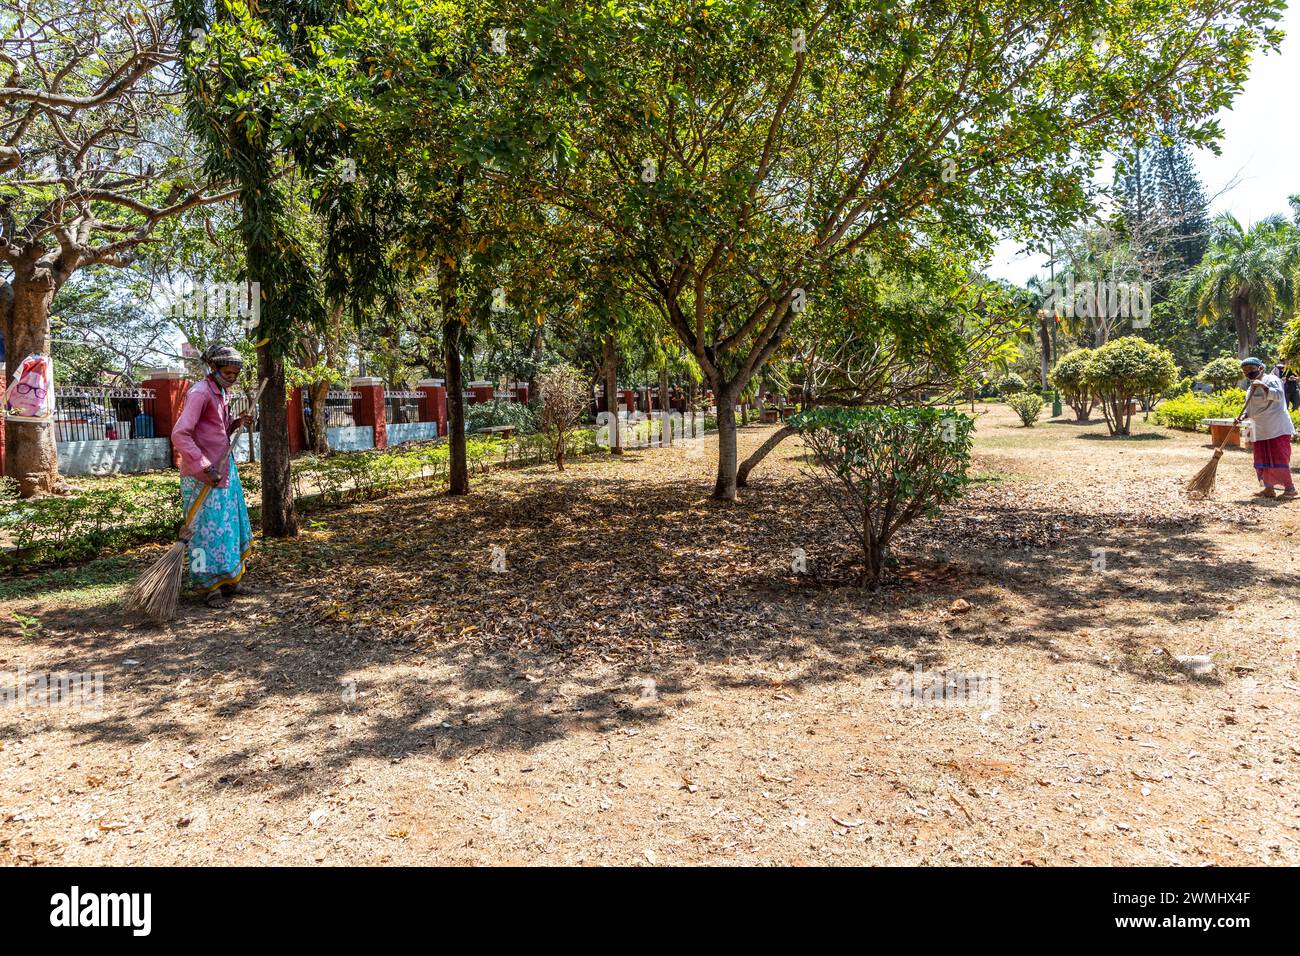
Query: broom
{"x": 1202, "y": 484}
{"x": 155, "y": 593}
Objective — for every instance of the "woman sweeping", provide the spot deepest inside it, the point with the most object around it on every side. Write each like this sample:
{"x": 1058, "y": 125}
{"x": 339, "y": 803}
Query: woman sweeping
{"x": 222, "y": 535}
{"x": 1266, "y": 407}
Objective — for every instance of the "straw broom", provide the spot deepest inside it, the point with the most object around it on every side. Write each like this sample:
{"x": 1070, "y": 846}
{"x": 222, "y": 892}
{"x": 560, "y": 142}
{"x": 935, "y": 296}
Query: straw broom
{"x": 1202, "y": 484}
{"x": 155, "y": 593}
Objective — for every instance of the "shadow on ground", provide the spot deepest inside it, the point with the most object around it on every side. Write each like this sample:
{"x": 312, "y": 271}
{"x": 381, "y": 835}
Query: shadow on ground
{"x": 393, "y": 611}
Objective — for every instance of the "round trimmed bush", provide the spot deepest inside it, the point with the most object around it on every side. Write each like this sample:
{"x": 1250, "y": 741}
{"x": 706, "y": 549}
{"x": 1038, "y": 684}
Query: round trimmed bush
{"x": 1221, "y": 374}
{"x": 1125, "y": 369}
{"x": 1010, "y": 384}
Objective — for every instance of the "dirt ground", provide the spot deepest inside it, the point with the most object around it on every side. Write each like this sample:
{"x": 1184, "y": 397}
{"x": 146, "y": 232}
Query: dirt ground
{"x": 647, "y": 680}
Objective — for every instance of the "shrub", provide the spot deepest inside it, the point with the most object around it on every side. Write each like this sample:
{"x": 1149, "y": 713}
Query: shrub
{"x": 886, "y": 468}
{"x": 1010, "y": 384}
{"x": 1068, "y": 377}
{"x": 57, "y": 529}
{"x": 1124, "y": 369}
{"x": 1221, "y": 373}
{"x": 1186, "y": 411}
{"x": 1028, "y": 405}
{"x": 1182, "y": 387}
{"x": 499, "y": 412}
{"x": 563, "y": 393}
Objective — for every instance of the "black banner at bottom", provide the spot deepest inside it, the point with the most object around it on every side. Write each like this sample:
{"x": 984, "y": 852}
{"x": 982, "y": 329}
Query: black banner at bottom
{"x": 231, "y": 906}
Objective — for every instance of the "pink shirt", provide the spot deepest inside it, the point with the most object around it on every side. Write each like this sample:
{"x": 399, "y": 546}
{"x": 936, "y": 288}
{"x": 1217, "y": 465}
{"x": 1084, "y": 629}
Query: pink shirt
{"x": 204, "y": 428}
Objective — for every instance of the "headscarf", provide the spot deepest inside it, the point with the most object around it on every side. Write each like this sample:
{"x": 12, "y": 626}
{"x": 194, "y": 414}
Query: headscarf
{"x": 219, "y": 356}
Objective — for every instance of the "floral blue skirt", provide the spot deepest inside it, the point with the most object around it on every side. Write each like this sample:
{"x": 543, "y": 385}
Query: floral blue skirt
{"x": 223, "y": 535}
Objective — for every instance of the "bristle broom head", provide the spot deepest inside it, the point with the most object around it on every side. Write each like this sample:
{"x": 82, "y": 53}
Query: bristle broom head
{"x": 1202, "y": 485}
{"x": 156, "y": 592}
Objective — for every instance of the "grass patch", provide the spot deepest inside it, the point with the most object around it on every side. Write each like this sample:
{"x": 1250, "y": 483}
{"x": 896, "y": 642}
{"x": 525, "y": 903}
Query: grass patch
{"x": 96, "y": 582}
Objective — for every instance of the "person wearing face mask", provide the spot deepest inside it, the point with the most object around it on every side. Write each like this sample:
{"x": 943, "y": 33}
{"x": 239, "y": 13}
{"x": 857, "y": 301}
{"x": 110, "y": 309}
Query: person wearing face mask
{"x": 222, "y": 535}
{"x": 1266, "y": 407}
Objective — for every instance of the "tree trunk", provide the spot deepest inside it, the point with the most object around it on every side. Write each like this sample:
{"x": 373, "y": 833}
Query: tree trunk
{"x": 609, "y": 369}
{"x": 665, "y": 431}
{"x": 536, "y": 348}
{"x": 318, "y": 423}
{"x": 1242, "y": 319}
{"x": 724, "y": 489}
{"x": 778, "y": 436}
{"x": 1045, "y": 341}
{"x": 278, "y": 518}
{"x": 31, "y": 458}
{"x": 458, "y": 466}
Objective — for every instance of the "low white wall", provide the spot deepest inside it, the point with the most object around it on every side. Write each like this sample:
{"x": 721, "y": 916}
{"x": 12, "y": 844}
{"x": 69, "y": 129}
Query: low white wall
{"x": 120, "y": 457}
{"x": 356, "y": 438}
{"x": 240, "y": 447}
{"x": 411, "y": 431}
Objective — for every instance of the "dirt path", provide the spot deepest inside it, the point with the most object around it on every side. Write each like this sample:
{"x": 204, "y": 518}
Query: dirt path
{"x": 647, "y": 681}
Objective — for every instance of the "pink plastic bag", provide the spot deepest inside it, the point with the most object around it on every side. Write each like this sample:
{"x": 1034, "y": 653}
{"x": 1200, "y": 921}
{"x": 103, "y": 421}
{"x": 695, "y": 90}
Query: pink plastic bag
{"x": 30, "y": 396}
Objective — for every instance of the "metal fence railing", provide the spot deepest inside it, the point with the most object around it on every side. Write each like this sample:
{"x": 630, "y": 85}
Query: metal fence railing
{"x": 338, "y": 409}
{"x": 92, "y": 414}
{"x": 239, "y": 404}
{"x": 401, "y": 408}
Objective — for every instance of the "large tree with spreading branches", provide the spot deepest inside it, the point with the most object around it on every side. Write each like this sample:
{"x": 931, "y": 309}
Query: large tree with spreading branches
{"x": 90, "y": 164}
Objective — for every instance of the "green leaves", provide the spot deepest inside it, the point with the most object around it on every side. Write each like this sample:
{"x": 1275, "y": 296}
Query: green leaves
{"x": 890, "y": 466}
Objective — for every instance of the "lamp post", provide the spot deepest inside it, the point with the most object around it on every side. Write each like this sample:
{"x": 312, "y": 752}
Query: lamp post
{"x": 1056, "y": 394}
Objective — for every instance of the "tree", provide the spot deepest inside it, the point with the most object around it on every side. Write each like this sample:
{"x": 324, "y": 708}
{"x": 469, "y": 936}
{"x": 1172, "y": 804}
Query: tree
{"x": 1071, "y": 379}
{"x": 563, "y": 395}
{"x": 434, "y": 114}
{"x": 1162, "y": 208}
{"x": 909, "y": 329}
{"x": 734, "y": 151}
{"x": 234, "y": 56}
{"x": 1248, "y": 274}
{"x": 884, "y": 468}
{"x": 1125, "y": 369}
{"x": 93, "y": 167}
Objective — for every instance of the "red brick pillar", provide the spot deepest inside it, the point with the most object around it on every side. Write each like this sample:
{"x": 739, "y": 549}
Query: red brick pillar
{"x": 433, "y": 406}
{"x": 368, "y": 409}
{"x": 297, "y": 435}
{"x": 481, "y": 392}
{"x": 629, "y": 399}
{"x": 170, "y": 386}
{"x": 521, "y": 392}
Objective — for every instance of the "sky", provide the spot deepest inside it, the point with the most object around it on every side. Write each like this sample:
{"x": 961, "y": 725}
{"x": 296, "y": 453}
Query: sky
{"x": 1260, "y": 148}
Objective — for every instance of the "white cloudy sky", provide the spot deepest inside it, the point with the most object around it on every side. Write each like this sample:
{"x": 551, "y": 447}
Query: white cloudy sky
{"x": 1260, "y": 148}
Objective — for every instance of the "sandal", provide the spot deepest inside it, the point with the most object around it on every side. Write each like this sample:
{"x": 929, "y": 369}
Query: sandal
{"x": 1290, "y": 493}
{"x": 216, "y": 599}
{"x": 1265, "y": 493}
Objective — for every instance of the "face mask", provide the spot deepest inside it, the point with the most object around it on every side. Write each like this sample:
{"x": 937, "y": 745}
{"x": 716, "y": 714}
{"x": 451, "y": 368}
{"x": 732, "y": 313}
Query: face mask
{"x": 1253, "y": 372}
{"x": 226, "y": 381}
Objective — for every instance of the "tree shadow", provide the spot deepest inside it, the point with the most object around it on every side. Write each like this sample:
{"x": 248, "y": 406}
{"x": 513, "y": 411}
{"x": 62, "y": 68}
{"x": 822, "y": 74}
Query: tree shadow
{"x": 389, "y": 633}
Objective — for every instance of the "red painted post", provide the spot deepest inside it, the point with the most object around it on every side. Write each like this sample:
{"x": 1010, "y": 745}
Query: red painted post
{"x": 297, "y": 438}
{"x": 170, "y": 386}
{"x": 521, "y": 393}
{"x": 433, "y": 406}
{"x": 368, "y": 408}
{"x": 481, "y": 392}
{"x": 629, "y": 399}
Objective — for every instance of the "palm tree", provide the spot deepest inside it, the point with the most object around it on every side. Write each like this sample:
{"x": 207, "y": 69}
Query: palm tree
{"x": 1247, "y": 274}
